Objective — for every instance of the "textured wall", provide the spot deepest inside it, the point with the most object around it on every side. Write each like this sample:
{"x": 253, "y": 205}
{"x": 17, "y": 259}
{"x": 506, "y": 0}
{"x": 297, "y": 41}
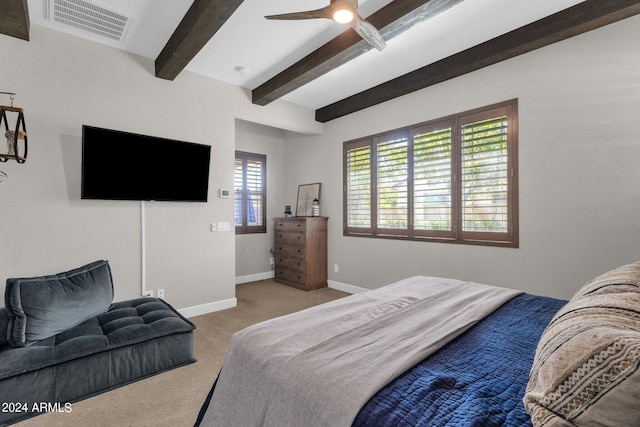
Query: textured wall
{"x": 64, "y": 82}
{"x": 579, "y": 157}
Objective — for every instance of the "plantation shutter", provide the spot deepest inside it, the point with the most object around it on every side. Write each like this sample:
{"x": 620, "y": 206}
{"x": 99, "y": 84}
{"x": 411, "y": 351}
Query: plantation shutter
{"x": 358, "y": 186}
{"x": 250, "y": 192}
{"x": 238, "y": 185}
{"x": 485, "y": 172}
{"x": 392, "y": 193}
{"x": 433, "y": 180}
{"x": 453, "y": 179}
{"x": 254, "y": 192}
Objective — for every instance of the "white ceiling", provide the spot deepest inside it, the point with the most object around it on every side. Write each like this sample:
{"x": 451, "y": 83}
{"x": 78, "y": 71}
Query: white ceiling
{"x": 267, "y": 47}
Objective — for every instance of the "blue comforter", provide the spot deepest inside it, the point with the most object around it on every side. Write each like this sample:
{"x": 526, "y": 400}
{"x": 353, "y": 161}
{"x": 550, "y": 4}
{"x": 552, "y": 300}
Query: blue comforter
{"x": 479, "y": 379}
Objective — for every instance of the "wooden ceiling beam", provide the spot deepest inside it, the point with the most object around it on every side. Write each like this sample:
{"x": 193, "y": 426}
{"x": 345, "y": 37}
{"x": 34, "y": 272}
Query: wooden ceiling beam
{"x": 203, "y": 19}
{"x": 583, "y": 17}
{"x": 391, "y": 20}
{"x": 14, "y": 18}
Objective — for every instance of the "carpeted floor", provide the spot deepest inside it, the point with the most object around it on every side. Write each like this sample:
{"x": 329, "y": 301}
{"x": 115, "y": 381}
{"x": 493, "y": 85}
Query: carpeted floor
{"x": 173, "y": 398}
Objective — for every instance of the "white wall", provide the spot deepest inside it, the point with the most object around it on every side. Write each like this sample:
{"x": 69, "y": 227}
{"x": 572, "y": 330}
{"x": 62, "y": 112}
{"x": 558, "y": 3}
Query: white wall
{"x": 579, "y": 154}
{"x": 64, "y": 82}
{"x": 252, "y": 250}
{"x": 579, "y": 158}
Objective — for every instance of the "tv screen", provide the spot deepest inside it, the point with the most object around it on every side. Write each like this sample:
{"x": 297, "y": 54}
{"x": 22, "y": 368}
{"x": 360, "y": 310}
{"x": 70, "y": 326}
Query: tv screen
{"x": 120, "y": 165}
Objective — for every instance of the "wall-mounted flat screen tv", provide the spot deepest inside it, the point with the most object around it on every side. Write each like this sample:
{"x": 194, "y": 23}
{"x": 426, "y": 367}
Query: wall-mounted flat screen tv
{"x": 120, "y": 165}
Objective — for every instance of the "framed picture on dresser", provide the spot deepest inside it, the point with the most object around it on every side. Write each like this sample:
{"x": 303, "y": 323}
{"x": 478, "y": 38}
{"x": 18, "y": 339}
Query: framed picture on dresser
{"x": 307, "y": 193}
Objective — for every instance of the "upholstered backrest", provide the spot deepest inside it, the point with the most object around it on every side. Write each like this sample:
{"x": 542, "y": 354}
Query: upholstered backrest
{"x": 586, "y": 368}
{"x": 4, "y": 325}
{"x": 41, "y": 307}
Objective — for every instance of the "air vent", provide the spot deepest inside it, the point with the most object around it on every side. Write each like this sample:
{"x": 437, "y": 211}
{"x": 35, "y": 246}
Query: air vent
{"x": 90, "y": 17}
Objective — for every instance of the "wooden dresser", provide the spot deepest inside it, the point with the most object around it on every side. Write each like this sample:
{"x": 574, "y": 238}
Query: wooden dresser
{"x": 301, "y": 252}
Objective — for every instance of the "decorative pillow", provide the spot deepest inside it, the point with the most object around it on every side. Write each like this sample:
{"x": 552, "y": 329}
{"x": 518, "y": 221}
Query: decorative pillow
{"x": 586, "y": 367}
{"x": 41, "y": 307}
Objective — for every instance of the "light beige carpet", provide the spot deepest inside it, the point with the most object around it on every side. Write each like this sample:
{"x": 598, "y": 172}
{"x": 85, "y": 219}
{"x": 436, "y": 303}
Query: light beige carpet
{"x": 174, "y": 398}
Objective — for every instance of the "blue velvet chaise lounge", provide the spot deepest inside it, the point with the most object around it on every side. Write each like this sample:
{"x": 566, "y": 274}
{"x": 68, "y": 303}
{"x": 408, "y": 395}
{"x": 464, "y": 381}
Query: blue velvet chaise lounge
{"x": 63, "y": 340}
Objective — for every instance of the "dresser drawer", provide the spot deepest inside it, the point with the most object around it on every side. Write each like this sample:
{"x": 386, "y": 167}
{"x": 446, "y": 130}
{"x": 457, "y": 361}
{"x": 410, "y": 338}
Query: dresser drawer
{"x": 294, "y": 263}
{"x": 287, "y": 249}
{"x": 290, "y": 225}
{"x": 296, "y": 276}
{"x": 290, "y": 238}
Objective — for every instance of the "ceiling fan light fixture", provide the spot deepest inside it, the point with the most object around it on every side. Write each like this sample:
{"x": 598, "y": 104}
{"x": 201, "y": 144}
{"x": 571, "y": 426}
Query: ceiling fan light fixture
{"x": 342, "y": 12}
{"x": 343, "y": 15}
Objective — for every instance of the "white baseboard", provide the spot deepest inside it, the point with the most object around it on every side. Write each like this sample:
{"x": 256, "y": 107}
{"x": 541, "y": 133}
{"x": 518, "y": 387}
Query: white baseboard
{"x": 255, "y": 277}
{"x": 210, "y": 307}
{"x": 346, "y": 288}
{"x": 270, "y": 275}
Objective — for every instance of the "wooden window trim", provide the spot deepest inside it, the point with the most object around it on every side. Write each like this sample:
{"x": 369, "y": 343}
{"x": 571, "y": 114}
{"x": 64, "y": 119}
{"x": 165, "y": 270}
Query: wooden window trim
{"x": 245, "y": 228}
{"x": 510, "y": 238}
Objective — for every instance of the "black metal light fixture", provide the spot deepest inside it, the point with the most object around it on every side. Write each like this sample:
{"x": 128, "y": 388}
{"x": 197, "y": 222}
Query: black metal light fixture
{"x": 13, "y": 134}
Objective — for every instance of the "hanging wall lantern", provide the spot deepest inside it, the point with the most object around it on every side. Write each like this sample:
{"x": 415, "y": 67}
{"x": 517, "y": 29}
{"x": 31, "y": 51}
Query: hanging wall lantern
{"x": 16, "y": 147}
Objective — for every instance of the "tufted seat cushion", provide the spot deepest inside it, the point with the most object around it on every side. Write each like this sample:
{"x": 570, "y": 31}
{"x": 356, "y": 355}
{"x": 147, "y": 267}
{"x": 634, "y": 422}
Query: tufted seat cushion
{"x": 132, "y": 340}
{"x": 126, "y": 323}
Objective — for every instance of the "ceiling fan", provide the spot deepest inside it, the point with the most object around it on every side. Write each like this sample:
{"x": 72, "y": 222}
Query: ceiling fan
{"x": 343, "y": 12}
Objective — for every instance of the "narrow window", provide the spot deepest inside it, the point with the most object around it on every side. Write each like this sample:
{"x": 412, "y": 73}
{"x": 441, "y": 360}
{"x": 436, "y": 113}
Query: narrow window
{"x": 433, "y": 189}
{"x": 250, "y": 183}
{"x": 485, "y": 174}
{"x": 358, "y": 188}
{"x": 392, "y": 193}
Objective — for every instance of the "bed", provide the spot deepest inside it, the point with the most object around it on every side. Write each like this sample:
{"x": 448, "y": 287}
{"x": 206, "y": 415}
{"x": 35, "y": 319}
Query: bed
{"x": 440, "y": 352}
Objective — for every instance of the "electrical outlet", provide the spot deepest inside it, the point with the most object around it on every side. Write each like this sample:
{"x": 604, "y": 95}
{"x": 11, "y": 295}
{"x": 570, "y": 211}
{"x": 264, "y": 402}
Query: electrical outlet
{"x": 147, "y": 294}
{"x": 161, "y": 293}
{"x": 336, "y": 268}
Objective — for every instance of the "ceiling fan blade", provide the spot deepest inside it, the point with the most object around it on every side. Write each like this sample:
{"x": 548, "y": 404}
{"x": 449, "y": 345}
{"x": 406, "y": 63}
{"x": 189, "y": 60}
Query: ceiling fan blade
{"x": 369, "y": 33}
{"x": 325, "y": 12}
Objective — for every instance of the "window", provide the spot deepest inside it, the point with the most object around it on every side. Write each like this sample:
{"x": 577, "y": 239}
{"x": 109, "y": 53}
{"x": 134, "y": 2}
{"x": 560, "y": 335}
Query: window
{"x": 250, "y": 182}
{"x": 452, "y": 179}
